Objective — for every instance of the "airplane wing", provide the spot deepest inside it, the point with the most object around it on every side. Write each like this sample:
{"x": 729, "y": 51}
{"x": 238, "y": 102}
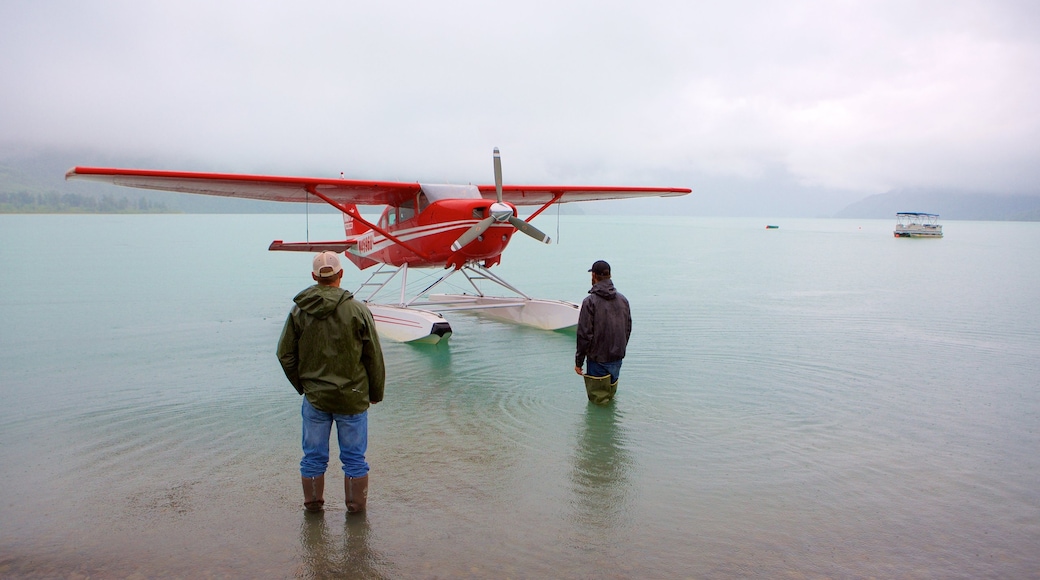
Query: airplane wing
{"x": 541, "y": 194}
{"x": 262, "y": 187}
{"x": 294, "y": 189}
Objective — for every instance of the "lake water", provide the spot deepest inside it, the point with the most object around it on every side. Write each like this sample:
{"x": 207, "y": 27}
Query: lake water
{"x": 819, "y": 400}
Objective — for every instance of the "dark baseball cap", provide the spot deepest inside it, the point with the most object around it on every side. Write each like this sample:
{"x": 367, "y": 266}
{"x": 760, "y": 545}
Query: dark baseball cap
{"x": 600, "y": 268}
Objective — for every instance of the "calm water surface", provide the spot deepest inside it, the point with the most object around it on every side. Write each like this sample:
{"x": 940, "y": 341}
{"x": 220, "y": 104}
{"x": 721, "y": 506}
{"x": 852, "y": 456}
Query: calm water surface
{"x": 821, "y": 400}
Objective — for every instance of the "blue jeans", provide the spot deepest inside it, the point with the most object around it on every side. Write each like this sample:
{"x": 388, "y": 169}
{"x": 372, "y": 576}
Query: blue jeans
{"x": 352, "y": 432}
{"x": 598, "y": 369}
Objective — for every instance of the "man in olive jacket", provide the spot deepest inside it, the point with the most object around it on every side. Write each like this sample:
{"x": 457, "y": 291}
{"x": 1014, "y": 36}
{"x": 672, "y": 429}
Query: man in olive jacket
{"x": 330, "y": 353}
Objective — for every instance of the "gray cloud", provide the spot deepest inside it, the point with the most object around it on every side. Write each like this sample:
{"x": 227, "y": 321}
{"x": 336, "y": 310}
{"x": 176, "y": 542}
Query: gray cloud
{"x": 853, "y": 96}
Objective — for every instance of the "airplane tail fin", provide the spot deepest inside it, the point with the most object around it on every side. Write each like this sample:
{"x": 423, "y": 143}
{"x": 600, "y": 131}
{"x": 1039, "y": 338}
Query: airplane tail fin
{"x": 354, "y": 229}
{"x": 351, "y": 227}
{"x": 347, "y": 247}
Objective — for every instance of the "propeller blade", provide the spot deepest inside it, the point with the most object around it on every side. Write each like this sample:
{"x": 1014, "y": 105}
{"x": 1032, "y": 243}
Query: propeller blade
{"x": 498, "y": 175}
{"x": 472, "y": 233}
{"x": 529, "y": 229}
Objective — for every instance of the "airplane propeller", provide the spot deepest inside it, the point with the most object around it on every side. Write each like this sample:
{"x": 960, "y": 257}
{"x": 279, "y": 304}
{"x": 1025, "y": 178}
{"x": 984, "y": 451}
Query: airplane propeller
{"x": 499, "y": 212}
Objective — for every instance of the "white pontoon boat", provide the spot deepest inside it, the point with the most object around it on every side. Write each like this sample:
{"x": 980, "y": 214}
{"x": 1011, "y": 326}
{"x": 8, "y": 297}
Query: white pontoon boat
{"x": 917, "y": 225}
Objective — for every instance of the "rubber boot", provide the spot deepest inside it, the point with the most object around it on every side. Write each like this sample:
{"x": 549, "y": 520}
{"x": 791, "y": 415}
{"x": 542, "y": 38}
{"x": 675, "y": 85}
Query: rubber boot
{"x": 356, "y": 490}
{"x": 600, "y": 389}
{"x": 314, "y": 493}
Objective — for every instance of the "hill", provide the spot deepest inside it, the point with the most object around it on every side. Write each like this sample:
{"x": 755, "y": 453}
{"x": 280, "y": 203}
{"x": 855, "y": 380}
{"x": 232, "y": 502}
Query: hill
{"x": 34, "y": 182}
{"x": 949, "y": 204}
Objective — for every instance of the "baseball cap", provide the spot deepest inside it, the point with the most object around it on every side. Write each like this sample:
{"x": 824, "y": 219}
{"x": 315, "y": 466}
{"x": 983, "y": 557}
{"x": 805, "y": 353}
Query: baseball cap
{"x": 600, "y": 268}
{"x": 326, "y": 265}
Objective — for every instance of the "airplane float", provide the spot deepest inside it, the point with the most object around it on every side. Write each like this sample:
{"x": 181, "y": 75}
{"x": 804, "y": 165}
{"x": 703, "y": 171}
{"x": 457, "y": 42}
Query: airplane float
{"x": 456, "y": 228}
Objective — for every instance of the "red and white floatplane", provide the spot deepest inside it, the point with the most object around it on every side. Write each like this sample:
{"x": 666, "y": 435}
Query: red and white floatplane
{"x": 460, "y": 230}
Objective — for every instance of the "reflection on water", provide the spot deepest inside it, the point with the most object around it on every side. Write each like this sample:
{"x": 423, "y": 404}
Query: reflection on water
{"x": 436, "y": 357}
{"x": 600, "y": 476}
{"x": 327, "y": 554}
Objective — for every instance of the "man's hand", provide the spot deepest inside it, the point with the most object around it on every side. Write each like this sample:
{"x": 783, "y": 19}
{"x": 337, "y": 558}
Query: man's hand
{"x": 578, "y": 370}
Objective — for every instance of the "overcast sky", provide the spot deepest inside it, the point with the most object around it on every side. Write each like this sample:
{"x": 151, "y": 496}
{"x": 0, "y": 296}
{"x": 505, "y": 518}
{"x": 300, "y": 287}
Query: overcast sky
{"x": 850, "y": 96}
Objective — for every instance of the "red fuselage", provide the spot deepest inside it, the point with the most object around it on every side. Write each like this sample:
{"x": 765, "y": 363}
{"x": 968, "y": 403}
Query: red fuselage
{"x": 426, "y": 237}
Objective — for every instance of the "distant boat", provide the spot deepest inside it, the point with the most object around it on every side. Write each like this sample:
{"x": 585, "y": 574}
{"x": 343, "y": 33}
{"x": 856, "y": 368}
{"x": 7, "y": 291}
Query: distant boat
{"x": 772, "y": 227}
{"x": 917, "y": 225}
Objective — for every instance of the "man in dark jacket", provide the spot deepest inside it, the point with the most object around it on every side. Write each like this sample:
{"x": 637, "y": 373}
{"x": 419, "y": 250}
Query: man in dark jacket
{"x": 604, "y": 326}
{"x": 330, "y": 353}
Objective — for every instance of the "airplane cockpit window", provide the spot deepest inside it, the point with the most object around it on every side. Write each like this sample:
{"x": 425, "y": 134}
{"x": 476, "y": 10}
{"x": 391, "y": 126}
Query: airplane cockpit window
{"x": 407, "y": 210}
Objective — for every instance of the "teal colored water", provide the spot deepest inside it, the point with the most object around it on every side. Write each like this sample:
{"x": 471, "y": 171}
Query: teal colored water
{"x": 818, "y": 400}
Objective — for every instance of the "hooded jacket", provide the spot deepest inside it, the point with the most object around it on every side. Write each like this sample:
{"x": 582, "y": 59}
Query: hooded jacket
{"x": 604, "y": 325}
{"x": 330, "y": 351}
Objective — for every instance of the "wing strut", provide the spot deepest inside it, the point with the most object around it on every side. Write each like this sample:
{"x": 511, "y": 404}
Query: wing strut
{"x": 354, "y": 213}
{"x": 556, "y": 198}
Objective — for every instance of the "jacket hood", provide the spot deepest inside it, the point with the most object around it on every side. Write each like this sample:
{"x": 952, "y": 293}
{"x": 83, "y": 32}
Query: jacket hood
{"x": 320, "y": 301}
{"x": 604, "y": 288}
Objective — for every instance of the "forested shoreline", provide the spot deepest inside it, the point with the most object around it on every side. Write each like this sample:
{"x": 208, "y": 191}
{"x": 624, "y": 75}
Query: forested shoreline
{"x": 54, "y": 202}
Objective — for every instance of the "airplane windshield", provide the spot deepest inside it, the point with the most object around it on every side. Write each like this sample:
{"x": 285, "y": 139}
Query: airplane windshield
{"x": 438, "y": 192}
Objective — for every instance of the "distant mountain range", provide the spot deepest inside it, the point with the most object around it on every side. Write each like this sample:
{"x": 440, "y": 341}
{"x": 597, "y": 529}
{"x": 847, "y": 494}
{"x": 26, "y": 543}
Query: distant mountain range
{"x": 34, "y": 182}
{"x": 951, "y": 205}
